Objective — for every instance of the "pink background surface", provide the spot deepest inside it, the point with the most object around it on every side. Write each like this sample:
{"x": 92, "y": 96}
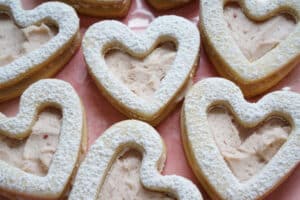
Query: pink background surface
{"x": 100, "y": 114}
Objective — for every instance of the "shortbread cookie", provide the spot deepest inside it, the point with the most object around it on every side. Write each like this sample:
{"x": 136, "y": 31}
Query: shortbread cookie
{"x": 101, "y": 8}
{"x": 167, "y": 4}
{"x": 255, "y": 45}
{"x": 39, "y": 154}
{"x": 35, "y": 43}
{"x": 240, "y": 150}
{"x": 146, "y": 87}
{"x": 98, "y": 167}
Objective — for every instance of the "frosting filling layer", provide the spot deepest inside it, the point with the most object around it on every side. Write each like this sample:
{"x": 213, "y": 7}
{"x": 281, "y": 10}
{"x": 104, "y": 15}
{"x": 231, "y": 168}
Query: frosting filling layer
{"x": 16, "y": 42}
{"x": 255, "y": 39}
{"x": 142, "y": 76}
{"x": 123, "y": 182}
{"x": 34, "y": 154}
{"x": 247, "y": 150}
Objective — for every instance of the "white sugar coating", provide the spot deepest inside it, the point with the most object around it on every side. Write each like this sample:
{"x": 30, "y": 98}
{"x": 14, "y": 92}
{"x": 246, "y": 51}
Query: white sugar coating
{"x": 107, "y": 35}
{"x": 286, "y": 89}
{"x": 123, "y": 136}
{"x": 47, "y": 92}
{"x": 224, "y": 48}
{"x": 61, "y": 15}
{"x": 204, "y": 153}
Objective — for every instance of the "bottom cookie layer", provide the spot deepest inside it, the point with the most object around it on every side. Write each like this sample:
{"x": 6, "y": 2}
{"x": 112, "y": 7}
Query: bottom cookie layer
{"x": 97, "y": 10}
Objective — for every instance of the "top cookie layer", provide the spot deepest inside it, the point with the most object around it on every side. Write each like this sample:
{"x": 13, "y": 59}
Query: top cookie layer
{"x": 48, "y": 92}
{"x": 108, "y": 35}
{"x": 204, "y": 154}
{"x": 127, "y": 135}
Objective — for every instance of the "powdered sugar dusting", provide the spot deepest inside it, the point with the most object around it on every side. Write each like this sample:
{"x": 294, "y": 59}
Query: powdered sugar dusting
{"x": 204, "y": 153}
{"x": 48, "y": 92}
{"x": 122, "y": 136}
{"x": 286, "y": 89}
{"x": 112, "y": 34}
{"x": 63, "y": 16}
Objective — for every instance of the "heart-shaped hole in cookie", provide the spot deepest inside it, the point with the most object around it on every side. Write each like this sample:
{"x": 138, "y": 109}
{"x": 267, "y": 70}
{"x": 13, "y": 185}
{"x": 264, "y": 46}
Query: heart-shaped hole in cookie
{"x": 254, "y": 38}
{"x": 123, "y": 180}
{"x": 16, "y": 41}
{"x": 34, "y": 154}
{"x": 142, "y": 75}
{"x": 247, "y": 150}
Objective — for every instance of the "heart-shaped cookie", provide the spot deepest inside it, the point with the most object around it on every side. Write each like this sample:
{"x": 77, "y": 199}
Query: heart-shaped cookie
{"x": 108, "y": 35}
{"x": 101, "y": 8}
{"x": 167, "y": 4}
{"x": 72, "y": 139}
{"x": 254, "y": 77}
{"x": 49, "y": 57}
{"x": 205, "y": 152}
{"x": 122, "y": 136}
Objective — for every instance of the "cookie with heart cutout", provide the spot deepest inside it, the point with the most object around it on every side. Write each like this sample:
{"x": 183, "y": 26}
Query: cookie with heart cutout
{"x": 101, "y": 8}
{"x": 248, "y": 45}
{"x": 39, "y": 154}
{"x": 149, "y": 85}
{"x": 36, "y": 43}
{"x": 98, "y": 166}
{"x": 240, "y": 150}
{"x": 168, "y": 4}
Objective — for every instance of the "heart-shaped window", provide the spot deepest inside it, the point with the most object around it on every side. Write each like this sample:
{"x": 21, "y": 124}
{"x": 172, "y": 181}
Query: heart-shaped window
{"x": 142, "y": 75}
{"x": 247, "y": 150}
{"x": 123, "y": 180}
{"x": 256, "y": 38}
{"x": 16, "y": 41}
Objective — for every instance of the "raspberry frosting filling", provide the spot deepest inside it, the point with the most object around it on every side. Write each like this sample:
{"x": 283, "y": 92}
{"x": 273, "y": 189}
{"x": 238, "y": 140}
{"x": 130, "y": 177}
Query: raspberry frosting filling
{"x": 34, "y": 154}
{"x": 247, "y": 150}
{"x": 142, "y": 76}
{"x": 255, "y": 39}
{"x": 16, "y": 42}
{"x": 123, "y": 180}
